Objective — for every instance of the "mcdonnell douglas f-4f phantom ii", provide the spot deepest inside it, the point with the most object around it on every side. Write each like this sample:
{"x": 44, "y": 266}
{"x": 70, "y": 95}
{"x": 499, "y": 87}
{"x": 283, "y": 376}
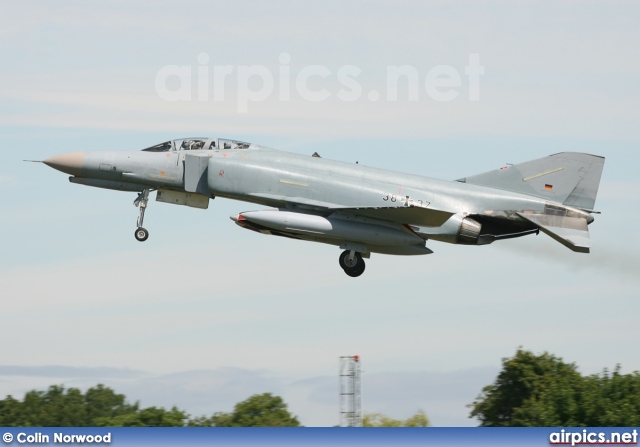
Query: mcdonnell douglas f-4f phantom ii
{"x": 361, "y": 209}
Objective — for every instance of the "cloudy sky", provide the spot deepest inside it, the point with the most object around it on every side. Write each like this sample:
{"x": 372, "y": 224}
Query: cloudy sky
{"x": 204, "y": 314}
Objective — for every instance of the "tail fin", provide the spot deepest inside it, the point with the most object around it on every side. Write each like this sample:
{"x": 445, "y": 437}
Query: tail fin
{"x": 570, "y": 178}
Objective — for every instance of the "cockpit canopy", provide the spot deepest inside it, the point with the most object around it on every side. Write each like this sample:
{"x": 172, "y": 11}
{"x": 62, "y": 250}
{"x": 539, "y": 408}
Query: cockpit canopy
{"x": 195, "y": 144}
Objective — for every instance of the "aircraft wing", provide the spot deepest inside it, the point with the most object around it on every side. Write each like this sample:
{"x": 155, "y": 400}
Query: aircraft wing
{"x": 298, "y": 202}
{"x": 413, "y": 215}
{"x": 401, "y": 214}
{"x": 572, "y": 232}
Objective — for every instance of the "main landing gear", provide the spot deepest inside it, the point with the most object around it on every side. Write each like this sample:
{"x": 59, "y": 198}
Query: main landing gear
{"x": 352, "y": 263}
{"x": 142, "y": 234}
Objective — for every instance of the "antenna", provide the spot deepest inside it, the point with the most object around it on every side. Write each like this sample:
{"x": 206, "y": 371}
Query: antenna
{"x": 350, "y": 392}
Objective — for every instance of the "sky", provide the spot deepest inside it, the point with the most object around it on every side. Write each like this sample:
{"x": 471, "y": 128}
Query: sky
{"x": 205, "y": 314}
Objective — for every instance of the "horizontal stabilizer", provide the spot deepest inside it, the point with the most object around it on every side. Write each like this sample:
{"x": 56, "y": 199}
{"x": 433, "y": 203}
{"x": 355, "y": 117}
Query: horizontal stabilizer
{"x": 572, "y": 232}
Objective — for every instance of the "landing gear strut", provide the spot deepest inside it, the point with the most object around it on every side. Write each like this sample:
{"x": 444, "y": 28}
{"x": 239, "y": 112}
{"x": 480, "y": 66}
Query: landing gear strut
{"x": 142, "y": 234}
{"x": 352, "y": 263}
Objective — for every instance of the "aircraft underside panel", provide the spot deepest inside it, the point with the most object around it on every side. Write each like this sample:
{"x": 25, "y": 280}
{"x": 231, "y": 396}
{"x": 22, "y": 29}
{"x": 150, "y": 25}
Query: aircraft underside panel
{"x": 183, "y": 198}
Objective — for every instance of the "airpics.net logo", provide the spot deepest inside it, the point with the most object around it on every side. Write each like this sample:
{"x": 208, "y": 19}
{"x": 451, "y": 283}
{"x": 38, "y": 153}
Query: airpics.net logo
{"x": 313, "y": 83}
{"x": 592, "y": 437}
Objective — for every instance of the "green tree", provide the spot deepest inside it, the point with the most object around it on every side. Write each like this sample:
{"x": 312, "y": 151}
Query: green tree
{"x": 55, "y": 407}
{"x": 10, "y": 412}
{"x": 259, "y": 410}
{"x": 419, "y": 419}
{"x": 380, "y": 420}
{"x": 612, "y": 399}
{"x": 542, "y": 390}
{"x": 103, "y": 402}
{"x": 100, "y": 406}
{"x": 201, "y": 421}
{"x": 148, "y": 417}
{"x": 516, "y": 397}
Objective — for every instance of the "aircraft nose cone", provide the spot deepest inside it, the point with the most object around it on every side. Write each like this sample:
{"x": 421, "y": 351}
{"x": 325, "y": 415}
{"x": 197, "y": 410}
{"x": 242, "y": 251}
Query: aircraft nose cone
{"x": 70, "y": 163}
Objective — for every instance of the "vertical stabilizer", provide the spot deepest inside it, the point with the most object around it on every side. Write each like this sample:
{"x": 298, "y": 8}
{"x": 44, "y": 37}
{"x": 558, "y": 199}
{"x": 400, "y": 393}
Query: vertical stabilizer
{"x": 570, "y": 178}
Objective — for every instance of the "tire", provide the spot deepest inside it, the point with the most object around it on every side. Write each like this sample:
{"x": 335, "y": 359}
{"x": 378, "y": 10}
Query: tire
{"x": 141, "y": 234}
{"x": 343, "y": 260}
{"x": 355, "y": 268}
{"x": 354, "y": 273}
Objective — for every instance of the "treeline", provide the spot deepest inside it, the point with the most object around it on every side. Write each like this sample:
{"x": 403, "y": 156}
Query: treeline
{"x": 531, "y": 390}
{"x": 419, "y": 419}
{"x": 100, "y": 406}
{"x": 544, "y": 391}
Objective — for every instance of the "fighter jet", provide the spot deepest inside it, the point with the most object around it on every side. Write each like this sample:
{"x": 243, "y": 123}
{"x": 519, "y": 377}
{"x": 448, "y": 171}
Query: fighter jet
{"x": 360, "y": 209}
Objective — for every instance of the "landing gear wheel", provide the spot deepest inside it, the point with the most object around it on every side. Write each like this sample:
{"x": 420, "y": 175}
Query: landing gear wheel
{"x": 142, "y": 234}
{"x": 352, "y": 263}
{"x": 354, "y": 273}
{"x": 348, "y": 262}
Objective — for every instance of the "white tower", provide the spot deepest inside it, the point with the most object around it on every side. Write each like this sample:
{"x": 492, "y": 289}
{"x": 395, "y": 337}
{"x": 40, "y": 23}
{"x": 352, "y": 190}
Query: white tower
{"x": 350, "y": 392}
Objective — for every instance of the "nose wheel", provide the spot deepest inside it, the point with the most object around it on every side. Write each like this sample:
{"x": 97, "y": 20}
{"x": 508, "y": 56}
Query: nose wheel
{"x": 352, "y": 263}
{"x": 142, "y": 234}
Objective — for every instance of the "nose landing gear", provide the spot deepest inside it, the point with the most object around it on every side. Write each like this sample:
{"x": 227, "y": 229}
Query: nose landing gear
{"x": 352, "y": 263}
{"x": 142, "y": 234}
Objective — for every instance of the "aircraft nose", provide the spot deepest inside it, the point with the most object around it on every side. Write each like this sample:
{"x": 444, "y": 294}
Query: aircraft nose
{"x": 70, "y": 163}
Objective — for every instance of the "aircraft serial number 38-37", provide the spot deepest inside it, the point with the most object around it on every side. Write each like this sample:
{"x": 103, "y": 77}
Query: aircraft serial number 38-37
{"x": 360, "y": 209}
